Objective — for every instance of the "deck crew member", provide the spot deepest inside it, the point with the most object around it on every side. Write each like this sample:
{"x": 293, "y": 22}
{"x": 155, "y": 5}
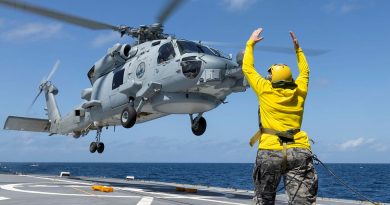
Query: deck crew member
{"x": 284, "y": 149}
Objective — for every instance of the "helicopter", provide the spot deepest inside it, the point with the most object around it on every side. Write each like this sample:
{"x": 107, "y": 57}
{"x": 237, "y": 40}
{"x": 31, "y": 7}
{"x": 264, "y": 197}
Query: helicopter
{"x": 156, "y": 76}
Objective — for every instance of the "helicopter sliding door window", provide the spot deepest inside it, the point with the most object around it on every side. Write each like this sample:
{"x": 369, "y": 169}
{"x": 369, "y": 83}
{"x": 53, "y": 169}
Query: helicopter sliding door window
{"x": 118, "y": 79}
{"x": 165, "y": 53}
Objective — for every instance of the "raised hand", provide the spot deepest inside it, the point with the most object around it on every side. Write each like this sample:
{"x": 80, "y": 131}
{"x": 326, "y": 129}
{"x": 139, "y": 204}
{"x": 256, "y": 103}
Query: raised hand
{"x": 256, "y": 35}
{"x": 295, "y": 41}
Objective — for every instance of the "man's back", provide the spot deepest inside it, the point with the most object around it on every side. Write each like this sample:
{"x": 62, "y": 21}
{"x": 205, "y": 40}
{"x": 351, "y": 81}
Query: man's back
{"x": 280, "y": 108}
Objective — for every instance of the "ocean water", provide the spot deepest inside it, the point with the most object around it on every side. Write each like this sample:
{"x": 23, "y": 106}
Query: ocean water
{"x": 372, "y": 180}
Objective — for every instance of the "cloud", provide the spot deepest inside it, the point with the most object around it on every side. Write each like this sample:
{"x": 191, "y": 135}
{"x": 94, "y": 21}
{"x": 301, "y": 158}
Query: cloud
{"x": 342, "y": 7}
{"x": 350, "y": 144}
{"x": 370, "y": 143}
{"x": 379, "y": 147}
{"x": 105, "y": 39}
{"x": 349, "y": 7}
{"x": 237, "y": 5}
{"x": 32, "y": 31}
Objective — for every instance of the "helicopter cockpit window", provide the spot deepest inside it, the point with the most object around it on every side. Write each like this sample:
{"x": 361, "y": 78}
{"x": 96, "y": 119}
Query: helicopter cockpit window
{"x": 165, "y": 53}
{"x": 118, "y": 79}
{"x": 219, "y": 53}
{"x": 192, "y": 47}
{"x": 91, "y": 74}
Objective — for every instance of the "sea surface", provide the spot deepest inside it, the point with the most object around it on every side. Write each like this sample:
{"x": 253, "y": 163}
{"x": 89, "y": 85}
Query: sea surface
{"x": 372, "y": 180}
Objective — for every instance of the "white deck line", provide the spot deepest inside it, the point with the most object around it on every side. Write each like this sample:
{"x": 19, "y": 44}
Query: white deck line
{"x": 3, "y": 198}
{"x": 145, "y": 201}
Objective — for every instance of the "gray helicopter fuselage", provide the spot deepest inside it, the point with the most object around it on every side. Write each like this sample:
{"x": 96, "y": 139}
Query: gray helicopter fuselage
{"x": 157, "y": 76}
{"x": 188, "y": 78}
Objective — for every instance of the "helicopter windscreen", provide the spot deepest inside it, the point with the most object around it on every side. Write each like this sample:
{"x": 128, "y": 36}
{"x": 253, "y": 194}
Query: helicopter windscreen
{"x": 219, "y": 53}
{"x": 192, "y": 47}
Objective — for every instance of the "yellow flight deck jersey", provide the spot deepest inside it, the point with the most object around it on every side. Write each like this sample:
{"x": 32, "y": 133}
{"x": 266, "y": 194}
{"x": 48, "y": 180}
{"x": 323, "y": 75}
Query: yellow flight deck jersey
{"x": 280, "y": 109}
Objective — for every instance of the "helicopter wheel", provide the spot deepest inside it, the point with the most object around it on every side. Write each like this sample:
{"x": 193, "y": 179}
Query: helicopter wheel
{"x": 128, "y": 117}
{"x": 200, "y": 127}
{"x": 100, "y": 147}
{"x": 93, "y": 147}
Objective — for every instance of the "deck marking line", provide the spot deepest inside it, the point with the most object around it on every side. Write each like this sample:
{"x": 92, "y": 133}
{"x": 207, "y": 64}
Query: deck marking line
{"x": 130, "y": 189}
{"x": 145, "y": 201}
{"x": 11, "y": 187}
{"x": 80, "y": 190}
{"x": 3, "y": 198}
{"x": 44, "y": 186}
{"x": 193, "y": 197}
{"x": 76, "y": 186}
{"x": 59, "y": 180}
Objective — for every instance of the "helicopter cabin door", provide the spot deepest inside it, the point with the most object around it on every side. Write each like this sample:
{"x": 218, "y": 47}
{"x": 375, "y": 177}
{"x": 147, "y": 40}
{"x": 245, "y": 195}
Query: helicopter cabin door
{"x": 117, "y": 98}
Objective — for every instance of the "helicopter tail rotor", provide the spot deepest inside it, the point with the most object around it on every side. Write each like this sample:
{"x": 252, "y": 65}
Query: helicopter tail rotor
{"x": 45, "y": 83}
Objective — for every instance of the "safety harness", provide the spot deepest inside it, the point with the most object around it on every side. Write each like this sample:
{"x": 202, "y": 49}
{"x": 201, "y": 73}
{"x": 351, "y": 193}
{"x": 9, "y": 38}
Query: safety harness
{"x": 285, "y": 138}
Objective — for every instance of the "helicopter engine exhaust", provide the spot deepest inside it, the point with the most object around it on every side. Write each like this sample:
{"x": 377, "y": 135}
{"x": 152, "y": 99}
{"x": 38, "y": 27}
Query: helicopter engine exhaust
{"x": 115, "y": 56}
{"x": 125, "y": 51}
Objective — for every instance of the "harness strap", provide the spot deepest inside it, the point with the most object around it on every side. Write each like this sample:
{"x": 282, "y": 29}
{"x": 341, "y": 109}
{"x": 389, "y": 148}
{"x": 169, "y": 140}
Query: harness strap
{"x": 289, "y": 134}
{"x": 285, "y": 138}
{"x": 256, "y": 137}
{"x": 284, "y": 154}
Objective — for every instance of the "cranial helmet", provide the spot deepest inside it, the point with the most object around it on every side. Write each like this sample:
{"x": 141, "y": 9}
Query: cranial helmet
{"x": 280, "y": 72}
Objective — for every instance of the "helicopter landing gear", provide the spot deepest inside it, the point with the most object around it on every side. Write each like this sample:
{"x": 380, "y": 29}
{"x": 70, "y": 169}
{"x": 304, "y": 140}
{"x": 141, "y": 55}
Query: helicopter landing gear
{"x": 97, "y": 146}
{"x": 128, "y": 117}
{"x": 93, "y": 147}
{"x": 198, "y": 125}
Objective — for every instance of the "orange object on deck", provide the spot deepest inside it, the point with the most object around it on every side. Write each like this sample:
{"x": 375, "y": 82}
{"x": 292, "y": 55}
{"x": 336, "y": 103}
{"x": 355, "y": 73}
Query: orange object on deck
{"x": 181, "y": 189}
{"x": 102, "y": 188}
{"x": 191, "y": 190}
{"x": 188, "y": 190}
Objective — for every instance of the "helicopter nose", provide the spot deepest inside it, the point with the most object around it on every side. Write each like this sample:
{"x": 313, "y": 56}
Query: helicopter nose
{"x": 209, "y": 68}
{"x": 217, "y": 63}
{"x": 215, "y": 68}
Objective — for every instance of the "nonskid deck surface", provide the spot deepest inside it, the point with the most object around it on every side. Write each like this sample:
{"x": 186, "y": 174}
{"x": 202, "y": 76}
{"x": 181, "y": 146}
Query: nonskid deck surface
{"x": 41, "y": 190}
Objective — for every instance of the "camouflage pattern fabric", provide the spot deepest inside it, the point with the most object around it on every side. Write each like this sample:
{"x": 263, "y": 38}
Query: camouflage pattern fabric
{"x": 300, "y": 177}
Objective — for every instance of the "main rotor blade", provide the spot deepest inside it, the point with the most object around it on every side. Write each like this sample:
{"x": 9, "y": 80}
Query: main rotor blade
{"x": 286, "y": 50}
{"x": 35, "y": 99}
{"x": 273, "y": 49}
{"x": 83, "y": 22}
{"x": 168, "y": 10}
{"x": 53, "y": 70}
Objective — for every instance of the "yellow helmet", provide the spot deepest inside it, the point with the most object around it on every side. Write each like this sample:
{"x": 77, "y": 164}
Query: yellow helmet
{"x": 280, "y": 72}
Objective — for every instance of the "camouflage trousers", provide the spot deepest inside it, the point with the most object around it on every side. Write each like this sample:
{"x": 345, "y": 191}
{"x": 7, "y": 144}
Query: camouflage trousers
{"x": 300, "y": 177}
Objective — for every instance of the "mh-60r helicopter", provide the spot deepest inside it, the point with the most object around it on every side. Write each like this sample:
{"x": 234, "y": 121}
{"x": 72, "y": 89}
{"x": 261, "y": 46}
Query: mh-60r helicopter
{"x": 156, "y": 76}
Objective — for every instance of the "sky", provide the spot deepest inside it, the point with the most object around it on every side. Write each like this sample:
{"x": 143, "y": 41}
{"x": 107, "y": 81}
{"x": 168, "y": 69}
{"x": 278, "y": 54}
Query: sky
{"x": 346, "y": 111}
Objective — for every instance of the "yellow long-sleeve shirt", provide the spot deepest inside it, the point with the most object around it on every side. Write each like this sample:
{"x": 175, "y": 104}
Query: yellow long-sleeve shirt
{"x": 280, "y": 109}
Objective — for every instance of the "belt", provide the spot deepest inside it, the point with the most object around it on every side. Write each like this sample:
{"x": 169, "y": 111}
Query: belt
{"x": 285, "y": 137}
